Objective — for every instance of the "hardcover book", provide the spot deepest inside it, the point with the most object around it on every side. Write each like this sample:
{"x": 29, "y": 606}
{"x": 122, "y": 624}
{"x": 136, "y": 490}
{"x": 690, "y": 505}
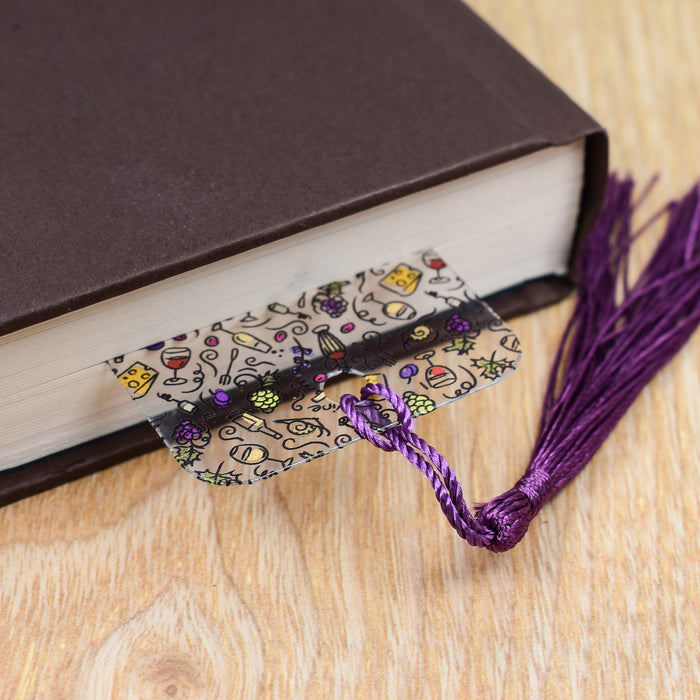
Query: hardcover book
{"x": 166, "y": 165}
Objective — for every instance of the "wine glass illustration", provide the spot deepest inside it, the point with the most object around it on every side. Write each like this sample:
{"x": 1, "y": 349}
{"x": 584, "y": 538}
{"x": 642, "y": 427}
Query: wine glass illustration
{"x": 254, "y": 455}
{"x": 437, "y": 376}
{"x": 435, "y": 262}
{"x": 175, "y": 359}
{"x": 398, "y": 310}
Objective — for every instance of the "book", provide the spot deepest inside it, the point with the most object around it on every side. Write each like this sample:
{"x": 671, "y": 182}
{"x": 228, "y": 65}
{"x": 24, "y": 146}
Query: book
{"x": 167, "y": 166}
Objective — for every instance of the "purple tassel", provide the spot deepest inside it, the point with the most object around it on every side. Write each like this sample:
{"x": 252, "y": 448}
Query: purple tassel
{"x": 609, "y": 351}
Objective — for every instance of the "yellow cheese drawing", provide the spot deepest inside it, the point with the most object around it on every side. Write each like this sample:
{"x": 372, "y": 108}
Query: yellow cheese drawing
{"x": 403, "y": 280}
{"x": 138, "y": 378}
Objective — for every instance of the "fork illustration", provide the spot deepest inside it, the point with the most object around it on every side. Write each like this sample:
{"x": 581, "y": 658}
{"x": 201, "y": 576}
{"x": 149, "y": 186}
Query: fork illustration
{"x": 225, "y": 378}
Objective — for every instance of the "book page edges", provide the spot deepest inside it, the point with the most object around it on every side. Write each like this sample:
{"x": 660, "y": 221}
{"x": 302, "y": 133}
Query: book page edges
{"x": 466, "y": 233}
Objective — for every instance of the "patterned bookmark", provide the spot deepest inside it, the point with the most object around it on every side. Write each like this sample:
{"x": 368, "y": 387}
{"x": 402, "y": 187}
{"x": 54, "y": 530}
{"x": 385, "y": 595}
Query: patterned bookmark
{"x": 244, "y": 399}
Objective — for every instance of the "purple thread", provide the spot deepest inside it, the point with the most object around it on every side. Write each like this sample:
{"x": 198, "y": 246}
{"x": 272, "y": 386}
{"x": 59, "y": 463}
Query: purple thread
{"x": 609, "y": 351}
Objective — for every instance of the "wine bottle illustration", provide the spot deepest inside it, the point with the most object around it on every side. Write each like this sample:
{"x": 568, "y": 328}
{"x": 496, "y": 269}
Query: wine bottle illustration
{"x": 247, "y": 340}
{"x": 254, "y": 424}
{"x": 283, "y": 309}
{"x": 454, "y": 302}
{"x": 244, "y": 339}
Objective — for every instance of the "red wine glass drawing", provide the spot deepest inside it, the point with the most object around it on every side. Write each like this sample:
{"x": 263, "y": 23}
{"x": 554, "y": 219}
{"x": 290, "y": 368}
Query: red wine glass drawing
{"x": 435, "y": 262}
{"x": 175, "y": 359}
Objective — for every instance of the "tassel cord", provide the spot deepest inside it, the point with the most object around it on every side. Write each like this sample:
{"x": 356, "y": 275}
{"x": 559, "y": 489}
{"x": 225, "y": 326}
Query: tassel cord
{"x": 609, "y": 351}
{"x": 580, "y": 327}
{"x": 570, "y": 416}
{"x": 620, "y": 339}
{"x": 611, "y": 371}
{"x": 401, "y": 438}
{"x": 581, "y": 411}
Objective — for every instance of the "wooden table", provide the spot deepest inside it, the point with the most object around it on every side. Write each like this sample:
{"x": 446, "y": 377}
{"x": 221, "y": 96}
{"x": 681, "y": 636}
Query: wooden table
{"x": 342, "y": 579}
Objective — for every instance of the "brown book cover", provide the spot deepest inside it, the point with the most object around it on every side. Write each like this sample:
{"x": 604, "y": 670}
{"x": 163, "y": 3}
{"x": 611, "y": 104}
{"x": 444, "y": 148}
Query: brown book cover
{"x": 192, "y": 130}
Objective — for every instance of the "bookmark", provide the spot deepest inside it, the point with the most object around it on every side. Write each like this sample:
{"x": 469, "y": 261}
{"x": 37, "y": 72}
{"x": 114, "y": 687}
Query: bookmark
{"x": 247, "y": 397}
{"x": 421, "y": 339}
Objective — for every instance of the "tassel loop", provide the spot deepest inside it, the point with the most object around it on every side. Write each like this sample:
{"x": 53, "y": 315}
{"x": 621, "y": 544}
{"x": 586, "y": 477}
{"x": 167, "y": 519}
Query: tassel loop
{"x": 498, "y": 525}
{"x": 363, "y": 420}
{"x": 423, "y": 456}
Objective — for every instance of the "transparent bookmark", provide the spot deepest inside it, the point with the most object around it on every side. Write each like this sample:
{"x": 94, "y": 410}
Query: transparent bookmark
{"x": 244, "y": 398}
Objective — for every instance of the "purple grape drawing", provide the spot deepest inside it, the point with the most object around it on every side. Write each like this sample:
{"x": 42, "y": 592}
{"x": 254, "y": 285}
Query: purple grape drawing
{"x": 335, "y": 306}
{"x": 330, "y": 300}
{"x": 457, "y": 324}
{"x": 186, "y": 431}
{"x": 221, "y": 398}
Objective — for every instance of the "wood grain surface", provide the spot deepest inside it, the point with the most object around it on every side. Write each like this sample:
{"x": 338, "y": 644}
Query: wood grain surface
{"x": 342, "y": 578}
